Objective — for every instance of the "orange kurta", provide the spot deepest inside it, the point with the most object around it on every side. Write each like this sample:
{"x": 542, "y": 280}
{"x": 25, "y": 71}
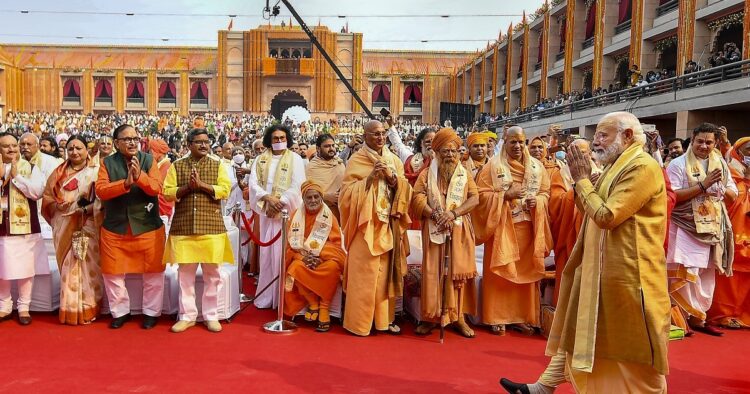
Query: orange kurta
{"x": 732, "y": 294}
{"x": 565, "y": 223}
{"x": 514, "y": 252}
{"x": 125, "y": 254}
{"x": 325, "y": 278}
{"x": 463, "y": 263}
{"x": 373, "y": 278}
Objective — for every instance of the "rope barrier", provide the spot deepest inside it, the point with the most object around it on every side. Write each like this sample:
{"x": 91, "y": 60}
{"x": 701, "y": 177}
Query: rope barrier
{"x": 247, "y": 223}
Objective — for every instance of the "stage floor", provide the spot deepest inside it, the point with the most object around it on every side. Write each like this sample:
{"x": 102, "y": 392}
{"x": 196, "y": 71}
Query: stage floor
{"x": 49, "y": 357}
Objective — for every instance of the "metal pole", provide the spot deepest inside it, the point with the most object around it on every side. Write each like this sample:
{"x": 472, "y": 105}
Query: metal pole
{"x": 281, "y": 326}
{"x": 323, "y": 52}
{"x": 236, "y": 211}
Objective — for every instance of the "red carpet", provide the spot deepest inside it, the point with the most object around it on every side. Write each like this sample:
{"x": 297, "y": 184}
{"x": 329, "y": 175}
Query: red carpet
{"x": 49, "y": 357}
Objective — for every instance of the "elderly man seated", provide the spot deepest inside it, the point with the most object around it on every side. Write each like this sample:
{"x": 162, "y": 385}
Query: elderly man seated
{"x": 314, "y": 258}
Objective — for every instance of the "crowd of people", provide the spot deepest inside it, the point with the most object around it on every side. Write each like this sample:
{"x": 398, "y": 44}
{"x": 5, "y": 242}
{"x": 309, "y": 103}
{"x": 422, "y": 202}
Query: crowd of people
{"x": 642, "y": 234}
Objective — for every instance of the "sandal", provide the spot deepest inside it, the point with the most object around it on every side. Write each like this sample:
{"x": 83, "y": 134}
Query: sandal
{"x": 311, "y": 315}
{"x": 424, "y": 328}
{"x": 393, "y": 329}
{"x": 498, "y": 329}
{"x": 323, "y": 326}
{"x": 524, "y": 329}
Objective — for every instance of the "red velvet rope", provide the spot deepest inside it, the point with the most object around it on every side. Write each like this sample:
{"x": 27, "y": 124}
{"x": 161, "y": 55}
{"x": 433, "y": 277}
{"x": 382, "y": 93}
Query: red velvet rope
{"x": 255, "y": 239}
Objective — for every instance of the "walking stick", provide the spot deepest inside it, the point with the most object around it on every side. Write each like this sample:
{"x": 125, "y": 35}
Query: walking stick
{"x": 281, "y": 326}
{"x": 443, "y": 272}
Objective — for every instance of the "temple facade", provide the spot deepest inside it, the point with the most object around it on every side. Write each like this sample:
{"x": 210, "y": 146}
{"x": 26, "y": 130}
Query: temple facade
{"x": 582, "y": 46}
{"x": 264, "y": 70}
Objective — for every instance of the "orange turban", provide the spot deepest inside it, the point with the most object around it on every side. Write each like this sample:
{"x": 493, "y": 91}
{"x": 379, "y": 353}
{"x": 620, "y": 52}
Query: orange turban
{"x": 443, "y": 137}
{"x": 490, "y": 134}
{"x": 199, "y": 123}
{"x": 311, "y": 185}
{"x": 736, "y": 148}
{"x": 158, "y": 146}
{"x": 477, "y": 138}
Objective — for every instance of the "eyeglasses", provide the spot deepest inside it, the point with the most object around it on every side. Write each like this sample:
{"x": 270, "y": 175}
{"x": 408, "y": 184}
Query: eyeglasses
{"x": 202, "y": 142}
{"x": 130, "y": 140}
{"x": 381, "y": 135}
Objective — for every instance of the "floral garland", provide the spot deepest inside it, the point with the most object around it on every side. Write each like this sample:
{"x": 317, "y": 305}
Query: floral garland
{"x": 539, "y": 12}
{"x": 518, "y": 27}
{"x": 665, "y": 43}
{"x": 726, "y": 21}
{"x": 622, "y": 57}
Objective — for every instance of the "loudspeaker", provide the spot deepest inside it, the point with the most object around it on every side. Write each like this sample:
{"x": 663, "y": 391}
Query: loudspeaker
{"x": 459, "y": 114}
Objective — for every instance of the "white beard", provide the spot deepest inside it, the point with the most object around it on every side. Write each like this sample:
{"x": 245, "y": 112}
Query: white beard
{"x": 611, "y": 153}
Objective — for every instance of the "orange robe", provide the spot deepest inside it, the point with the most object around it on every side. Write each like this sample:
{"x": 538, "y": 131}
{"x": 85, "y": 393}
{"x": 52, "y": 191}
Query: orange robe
{"x": 325, "y": 278}
{"x": 128, "y": 254}
{"x": 462, "y": 269}
{"x": 412, "y": 175}
{"x": 513, "y": 252}
{"x": 732, "y": 294}
{"x": 165, "y": 207}
{"x": 565, "y": 223}
{"x": 373, "y": 276}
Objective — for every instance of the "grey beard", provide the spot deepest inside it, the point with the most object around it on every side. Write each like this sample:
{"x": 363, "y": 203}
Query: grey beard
{"x": 611, "y": 153}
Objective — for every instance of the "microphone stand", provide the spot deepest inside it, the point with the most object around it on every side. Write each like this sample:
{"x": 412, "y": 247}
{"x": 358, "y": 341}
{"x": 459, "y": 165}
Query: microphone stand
{"x": 281, "y": 326}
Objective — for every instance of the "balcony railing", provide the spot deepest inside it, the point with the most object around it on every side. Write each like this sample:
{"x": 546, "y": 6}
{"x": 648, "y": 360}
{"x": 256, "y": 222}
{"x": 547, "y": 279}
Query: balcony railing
{"x": 538, "y": 66}
{"x": 412, "y": 107}
{"x": 199, "y": 103}
{"x": 667, "y": 7}
{"x": 622, "y": 27}
{"x": 135, "y": 102}
{"x": 71, "y": 102}
{"x": 589, "y": 42}
{"x": 272, "y": 66}
{"x": 103, "y": 101}
{"x": 560, "y": 56}
{"x": 700, "y": 78}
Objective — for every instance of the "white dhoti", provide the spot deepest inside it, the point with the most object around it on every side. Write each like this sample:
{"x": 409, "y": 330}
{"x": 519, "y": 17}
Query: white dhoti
{"x": 19, "y": 255}
{"x": 692, "y": 278}
{"x": 210, "y": 298}
{"x": 119, "y": 299}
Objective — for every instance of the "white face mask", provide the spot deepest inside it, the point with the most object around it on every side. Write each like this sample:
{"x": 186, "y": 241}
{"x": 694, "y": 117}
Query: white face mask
{"x": 278, "y": 146}
{"x": 239, "y": 158}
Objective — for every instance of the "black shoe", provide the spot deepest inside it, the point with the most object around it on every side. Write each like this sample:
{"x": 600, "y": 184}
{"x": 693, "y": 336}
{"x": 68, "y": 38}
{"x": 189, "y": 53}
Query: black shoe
{"x": 119, "y": 321}
{"x": 513, "y": 387}
{"x": 149, "y": 322}
{"x": 24, "y": 320}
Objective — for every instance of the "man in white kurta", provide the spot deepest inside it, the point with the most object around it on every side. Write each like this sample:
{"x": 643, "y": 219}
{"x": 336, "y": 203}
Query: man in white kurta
{"x": 29, "y": 148}
{"x": 700, "y": 235}
{"x": 274, "y": 184}
{"x": 21, "y": 243}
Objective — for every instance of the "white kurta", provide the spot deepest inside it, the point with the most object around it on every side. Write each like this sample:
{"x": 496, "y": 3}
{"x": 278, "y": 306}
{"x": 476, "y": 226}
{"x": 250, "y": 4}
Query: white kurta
{"x": 47, "y": 166}
{"x": 270, "y": 257}
{"x": 686, "y": 250}
{"x": 20, "y": 254}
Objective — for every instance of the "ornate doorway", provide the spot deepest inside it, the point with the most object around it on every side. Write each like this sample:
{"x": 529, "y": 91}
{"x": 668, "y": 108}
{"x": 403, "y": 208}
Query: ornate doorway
{"x": 282, "y": 101}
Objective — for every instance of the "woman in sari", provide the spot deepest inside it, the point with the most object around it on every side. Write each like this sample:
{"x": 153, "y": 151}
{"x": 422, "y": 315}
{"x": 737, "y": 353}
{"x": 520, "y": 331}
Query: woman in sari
{"x": 69, "y": 205}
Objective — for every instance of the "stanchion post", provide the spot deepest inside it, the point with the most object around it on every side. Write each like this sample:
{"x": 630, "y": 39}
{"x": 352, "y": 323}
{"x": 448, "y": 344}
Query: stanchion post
{"x": 281, "y": 326}
{"x": 236, "y": 211}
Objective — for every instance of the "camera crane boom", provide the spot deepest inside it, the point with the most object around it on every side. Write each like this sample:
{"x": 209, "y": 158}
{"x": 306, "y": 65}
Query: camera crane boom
{"x": 322, "y": 50}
